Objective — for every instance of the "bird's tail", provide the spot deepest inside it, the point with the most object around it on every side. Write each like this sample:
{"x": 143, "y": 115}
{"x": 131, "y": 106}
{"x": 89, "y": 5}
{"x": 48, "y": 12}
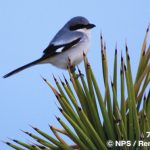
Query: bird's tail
{"x": 23, "y": 67}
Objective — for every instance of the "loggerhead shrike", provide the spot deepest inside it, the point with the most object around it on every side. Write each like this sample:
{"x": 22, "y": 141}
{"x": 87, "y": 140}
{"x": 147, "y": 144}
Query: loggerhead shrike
{"x": 69, "y": 43}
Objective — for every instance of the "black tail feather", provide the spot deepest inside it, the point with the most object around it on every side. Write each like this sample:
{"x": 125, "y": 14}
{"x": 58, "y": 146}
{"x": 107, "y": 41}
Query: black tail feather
{"x": 22, "y": 68}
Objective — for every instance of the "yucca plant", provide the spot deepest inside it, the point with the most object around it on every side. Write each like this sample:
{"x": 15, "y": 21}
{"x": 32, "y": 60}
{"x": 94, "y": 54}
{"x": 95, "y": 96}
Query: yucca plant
{"x": 96, "y": 122}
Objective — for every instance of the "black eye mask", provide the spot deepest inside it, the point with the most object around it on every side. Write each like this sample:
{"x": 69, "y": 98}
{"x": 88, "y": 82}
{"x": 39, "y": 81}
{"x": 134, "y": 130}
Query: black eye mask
{"x": 81, "y": 26}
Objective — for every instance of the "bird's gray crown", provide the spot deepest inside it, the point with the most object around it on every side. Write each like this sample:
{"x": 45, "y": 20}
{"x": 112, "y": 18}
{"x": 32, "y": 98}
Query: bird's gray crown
{"x": 77, "y": 20}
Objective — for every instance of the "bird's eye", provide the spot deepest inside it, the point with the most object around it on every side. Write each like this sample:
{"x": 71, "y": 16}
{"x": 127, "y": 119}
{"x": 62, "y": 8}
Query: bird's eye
{"x": 76, "y": 27}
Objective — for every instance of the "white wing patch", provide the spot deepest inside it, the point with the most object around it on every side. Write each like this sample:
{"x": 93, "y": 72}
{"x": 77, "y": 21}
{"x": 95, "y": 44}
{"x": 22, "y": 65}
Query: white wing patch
{"x": 59, "y": 50}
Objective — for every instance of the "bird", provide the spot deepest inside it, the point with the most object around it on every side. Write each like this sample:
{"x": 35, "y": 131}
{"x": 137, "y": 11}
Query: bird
{"x": 71, "y": 41}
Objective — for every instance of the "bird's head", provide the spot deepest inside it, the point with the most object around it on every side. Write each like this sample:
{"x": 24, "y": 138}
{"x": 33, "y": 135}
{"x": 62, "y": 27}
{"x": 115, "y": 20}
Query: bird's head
{"x": 79, "y": 23}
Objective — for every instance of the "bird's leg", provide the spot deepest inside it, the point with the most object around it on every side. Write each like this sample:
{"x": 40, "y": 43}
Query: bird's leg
{"x": 79, "y": 74}
{"x": 73, "y": 69}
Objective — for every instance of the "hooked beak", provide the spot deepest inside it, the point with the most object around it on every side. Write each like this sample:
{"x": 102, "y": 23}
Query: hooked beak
{"x": 90, "y": 26}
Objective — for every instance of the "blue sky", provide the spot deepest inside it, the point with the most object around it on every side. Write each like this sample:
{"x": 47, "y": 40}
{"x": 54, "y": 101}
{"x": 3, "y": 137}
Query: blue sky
{"x": 27, "y": 27}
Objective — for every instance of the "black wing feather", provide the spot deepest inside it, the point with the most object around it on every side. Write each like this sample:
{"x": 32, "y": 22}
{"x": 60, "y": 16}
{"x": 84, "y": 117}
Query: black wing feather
{"x": 51, "y": 50}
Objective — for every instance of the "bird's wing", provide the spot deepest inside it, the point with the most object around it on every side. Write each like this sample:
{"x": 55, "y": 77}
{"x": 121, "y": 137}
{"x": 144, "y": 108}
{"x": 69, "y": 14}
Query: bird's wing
{"x": 53, "y": 49}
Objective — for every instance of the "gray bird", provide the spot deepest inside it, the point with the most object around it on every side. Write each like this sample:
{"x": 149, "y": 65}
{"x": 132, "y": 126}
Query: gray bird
{"x": 69, "y": 43}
